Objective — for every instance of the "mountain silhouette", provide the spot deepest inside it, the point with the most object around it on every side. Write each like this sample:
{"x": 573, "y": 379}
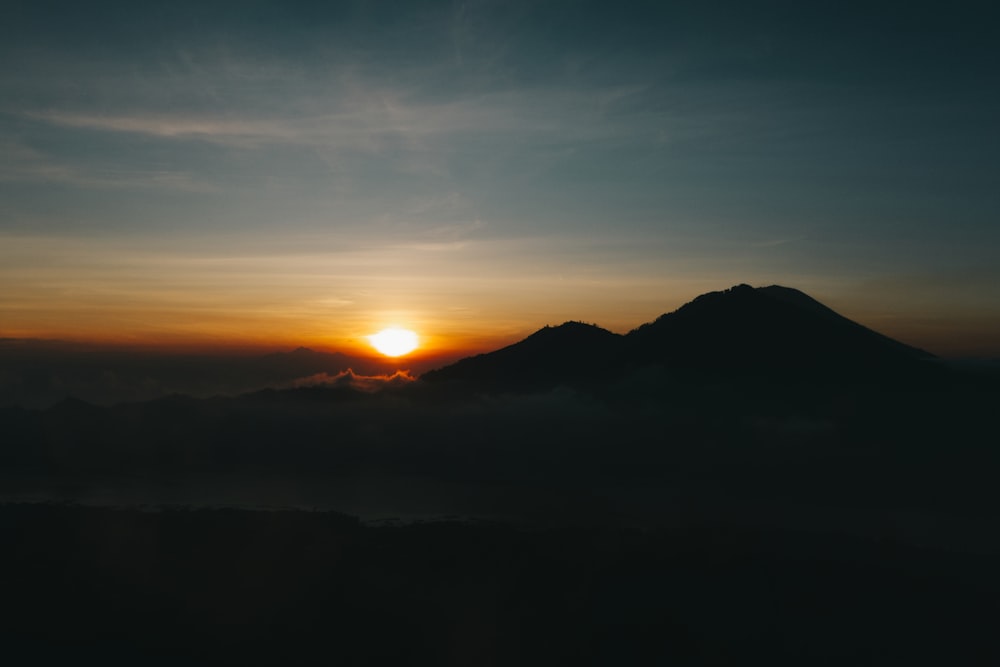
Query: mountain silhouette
{"x": 573, "y": 352}
{"x": 771, "y": 331}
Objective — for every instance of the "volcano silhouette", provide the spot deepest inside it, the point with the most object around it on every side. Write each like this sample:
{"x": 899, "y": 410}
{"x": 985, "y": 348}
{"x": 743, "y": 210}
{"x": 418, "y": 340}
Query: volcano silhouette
{"x": 571, "y": 353}
{"x": 768, "y": 331}
{"x": 768, "y": 328}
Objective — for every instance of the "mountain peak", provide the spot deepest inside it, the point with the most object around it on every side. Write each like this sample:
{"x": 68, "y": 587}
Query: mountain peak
{"x": 771, "y": 331}
{"x": 552, "y": 355}
{"x": 569, "y": 331}
{"x": 765, "y": 329}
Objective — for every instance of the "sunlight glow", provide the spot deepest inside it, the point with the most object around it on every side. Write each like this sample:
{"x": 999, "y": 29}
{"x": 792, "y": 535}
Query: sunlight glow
{"x": 394, "y": 342}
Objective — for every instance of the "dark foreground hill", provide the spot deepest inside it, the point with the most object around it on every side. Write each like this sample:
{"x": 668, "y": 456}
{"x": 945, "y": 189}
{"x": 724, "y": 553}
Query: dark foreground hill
{"x": 125, "y": 587}
{"x": 769, "y": 332}
{"x": 209, "y": 587}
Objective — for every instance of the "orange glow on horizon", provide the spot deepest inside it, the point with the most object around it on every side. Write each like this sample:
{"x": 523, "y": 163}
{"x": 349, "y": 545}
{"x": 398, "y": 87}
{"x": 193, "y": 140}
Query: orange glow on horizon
{"x": 434, "y": 348}
{"x": 255, "y": 337}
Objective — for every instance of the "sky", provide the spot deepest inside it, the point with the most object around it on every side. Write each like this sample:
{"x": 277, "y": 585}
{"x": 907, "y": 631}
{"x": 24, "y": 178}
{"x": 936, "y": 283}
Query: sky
{"x": 282, "y": 173}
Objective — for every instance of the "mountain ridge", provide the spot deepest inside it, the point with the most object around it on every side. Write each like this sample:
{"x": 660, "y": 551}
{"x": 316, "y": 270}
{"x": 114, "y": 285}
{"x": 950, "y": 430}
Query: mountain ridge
{"x": 772, "y": 331}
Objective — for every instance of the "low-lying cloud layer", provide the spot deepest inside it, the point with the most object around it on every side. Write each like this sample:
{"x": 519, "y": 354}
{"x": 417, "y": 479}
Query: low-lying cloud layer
{"x": 350, "y": 380}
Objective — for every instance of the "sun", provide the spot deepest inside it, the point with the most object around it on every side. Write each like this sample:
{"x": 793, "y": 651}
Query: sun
{"x": 394, "y": 342}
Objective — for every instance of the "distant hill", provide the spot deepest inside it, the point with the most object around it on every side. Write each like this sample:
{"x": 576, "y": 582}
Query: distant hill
{"x": 572, "y": 352}
{"x": 772, "y": 331}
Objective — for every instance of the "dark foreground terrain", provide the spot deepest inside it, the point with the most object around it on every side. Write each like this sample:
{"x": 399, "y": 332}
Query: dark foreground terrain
{"x": 699, "y": 524}
{"x": 115, "y": 586}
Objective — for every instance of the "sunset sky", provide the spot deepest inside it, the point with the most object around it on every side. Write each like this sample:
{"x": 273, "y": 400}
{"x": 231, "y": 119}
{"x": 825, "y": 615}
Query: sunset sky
{"x": 306, "y": 173}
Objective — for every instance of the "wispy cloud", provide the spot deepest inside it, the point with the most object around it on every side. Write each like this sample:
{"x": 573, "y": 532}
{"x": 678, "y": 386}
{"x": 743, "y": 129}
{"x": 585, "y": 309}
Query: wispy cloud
{"x": 175, "y": 126}
{"x": 361, "y": 118}
{"x": 348, "y": 142}
{"x": 24, "y": 164}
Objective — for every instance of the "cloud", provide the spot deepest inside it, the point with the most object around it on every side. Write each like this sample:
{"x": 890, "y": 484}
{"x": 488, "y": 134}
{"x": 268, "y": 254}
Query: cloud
{"x": 25, "y": 164}
{"x": 351, "y": 380}
{"x": 172, "y": 126}
{"x": 351, "y": 112}
{"x": 342, "y": 141}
